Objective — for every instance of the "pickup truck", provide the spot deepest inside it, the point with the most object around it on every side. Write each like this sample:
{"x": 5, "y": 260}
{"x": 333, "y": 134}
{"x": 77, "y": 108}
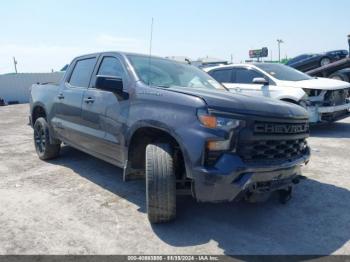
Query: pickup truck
{"x": 174, "y": 125}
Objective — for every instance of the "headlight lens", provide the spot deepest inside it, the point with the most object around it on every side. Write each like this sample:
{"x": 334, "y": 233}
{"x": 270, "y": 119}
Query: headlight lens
{"x": 227, "y": 124}
{"x": 212, "y": 121}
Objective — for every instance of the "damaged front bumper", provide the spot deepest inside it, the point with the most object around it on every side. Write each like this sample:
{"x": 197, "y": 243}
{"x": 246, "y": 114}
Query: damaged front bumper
{"x": 328, "y": 113}
{"x": 231, "y": 177}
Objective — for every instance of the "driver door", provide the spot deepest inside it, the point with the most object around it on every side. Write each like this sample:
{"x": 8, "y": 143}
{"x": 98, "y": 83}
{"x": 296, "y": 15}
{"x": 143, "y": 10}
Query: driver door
{"x": 104, "y": 113}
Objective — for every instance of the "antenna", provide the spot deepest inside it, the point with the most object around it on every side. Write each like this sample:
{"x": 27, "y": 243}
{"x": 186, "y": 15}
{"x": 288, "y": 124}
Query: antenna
{"x": 150, "y": 53}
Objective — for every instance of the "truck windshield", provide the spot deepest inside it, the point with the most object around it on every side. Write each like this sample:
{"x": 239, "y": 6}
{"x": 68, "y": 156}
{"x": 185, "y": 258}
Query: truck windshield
{"x": 282, "y": 72}
{"x": 167, "y": 73}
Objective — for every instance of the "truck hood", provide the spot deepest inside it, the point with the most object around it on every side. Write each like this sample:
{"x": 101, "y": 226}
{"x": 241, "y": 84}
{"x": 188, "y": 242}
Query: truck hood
{"x": 317, "y": 83}
{"x": 247, "y": 105}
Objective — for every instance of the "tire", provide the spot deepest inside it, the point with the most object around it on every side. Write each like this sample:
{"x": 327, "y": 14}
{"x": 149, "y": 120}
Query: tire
{"x": 44, "y": 147}
{"x": 160, "y": 183}
{"x": 325, "y": 61}
{"x": 340, "y": 76}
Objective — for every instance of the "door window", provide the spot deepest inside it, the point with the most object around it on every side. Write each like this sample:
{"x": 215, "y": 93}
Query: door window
{"x": 82, "y": 72}
{"x": 246, "y": 76}
{"x": 111, "y": 66}
{"x": 222, "y": 76}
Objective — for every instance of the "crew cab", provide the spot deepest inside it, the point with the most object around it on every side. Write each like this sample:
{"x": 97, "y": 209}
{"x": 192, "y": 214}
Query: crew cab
{"x": 174, "y": 125}
{"x": 326, "y": 100}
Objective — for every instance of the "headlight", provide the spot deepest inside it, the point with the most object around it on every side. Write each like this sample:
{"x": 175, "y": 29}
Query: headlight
{"x": 223, "y": 123}
{"x": 212, "y": 121}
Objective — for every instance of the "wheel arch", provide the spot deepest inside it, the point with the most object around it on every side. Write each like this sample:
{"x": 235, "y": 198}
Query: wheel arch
{"x": 144, "y": 133}
{"x": 38, "y": 110}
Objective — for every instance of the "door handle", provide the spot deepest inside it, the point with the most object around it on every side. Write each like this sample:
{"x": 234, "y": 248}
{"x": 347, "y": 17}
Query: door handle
{"x": 60, "y": 96}
{"x": 89, "y": 100}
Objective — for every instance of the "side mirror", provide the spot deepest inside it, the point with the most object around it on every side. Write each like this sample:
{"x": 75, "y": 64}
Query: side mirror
{"x": 260, "y": 81}
{"x": 109, "y": 83}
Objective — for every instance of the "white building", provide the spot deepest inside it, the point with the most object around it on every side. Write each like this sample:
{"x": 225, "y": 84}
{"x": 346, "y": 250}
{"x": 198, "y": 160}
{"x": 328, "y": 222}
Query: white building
{"x": 15, "y": 88}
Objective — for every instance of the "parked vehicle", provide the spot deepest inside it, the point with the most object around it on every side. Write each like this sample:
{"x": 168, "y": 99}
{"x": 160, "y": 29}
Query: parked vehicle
{"x": 325, "y": 99}
{"x": 174, "y": 124}
{"x": 306, "y": 62}
{"x": 339, "y": 70}
{"x": 343, "y": 75}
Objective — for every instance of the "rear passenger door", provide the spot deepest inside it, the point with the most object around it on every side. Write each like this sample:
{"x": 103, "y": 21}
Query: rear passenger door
{"x": 104, "y": 113}
{"x": 67, "y": 119}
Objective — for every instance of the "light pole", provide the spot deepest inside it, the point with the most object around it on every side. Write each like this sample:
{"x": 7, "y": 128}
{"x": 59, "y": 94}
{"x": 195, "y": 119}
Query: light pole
{"x": 279, "y": 42}
{"x": 15, "y": 64}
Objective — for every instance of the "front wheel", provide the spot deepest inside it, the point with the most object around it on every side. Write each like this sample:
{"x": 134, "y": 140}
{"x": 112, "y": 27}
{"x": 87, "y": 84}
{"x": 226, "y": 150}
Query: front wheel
{"x": 43, "y": 146}
{"x": 160, "y": 183}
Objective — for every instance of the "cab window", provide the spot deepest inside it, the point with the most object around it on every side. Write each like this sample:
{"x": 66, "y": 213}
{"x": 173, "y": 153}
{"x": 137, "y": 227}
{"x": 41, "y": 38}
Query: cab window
{"x": 111, "y": 66}
{"x": 82, "y": 72}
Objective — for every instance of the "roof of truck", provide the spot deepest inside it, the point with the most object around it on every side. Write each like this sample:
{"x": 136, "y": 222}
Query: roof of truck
{"x": 117, "y": 52}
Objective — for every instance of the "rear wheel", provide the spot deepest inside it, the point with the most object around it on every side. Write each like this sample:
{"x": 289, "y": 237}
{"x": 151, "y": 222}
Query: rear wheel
{"x": 325, "y": 61}
{"x": 340, "y": 76}
{"x": 44, "y": 147}
{"x": 160, "y": 183}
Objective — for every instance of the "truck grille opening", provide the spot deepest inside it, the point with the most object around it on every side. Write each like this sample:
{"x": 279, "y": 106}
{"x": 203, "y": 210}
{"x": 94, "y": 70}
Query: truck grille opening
{"x": 212, "y": 157}
{"x": 269, "y": 150}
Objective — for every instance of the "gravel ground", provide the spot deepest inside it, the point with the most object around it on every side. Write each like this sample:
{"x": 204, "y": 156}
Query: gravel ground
{"x": 78, "y": 204}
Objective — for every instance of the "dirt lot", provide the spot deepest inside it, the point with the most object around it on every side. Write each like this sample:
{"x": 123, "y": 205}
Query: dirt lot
{"x": 78, "y": 204}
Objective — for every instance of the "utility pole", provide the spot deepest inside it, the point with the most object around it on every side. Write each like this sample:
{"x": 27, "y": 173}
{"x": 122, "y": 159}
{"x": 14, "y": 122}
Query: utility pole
{"x": 231, "y": 58}
{"x": 271, "y": 55}
{"x": 279, "y": 42}
{"x": 15, "y": 64}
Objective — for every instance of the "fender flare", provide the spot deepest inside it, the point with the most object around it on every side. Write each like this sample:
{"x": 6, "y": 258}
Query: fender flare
{"x": 162, "y": 127}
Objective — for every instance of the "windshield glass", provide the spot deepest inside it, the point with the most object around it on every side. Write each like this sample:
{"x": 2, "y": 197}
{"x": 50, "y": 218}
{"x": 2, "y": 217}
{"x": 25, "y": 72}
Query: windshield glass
{"x": 167, "y": 73}
{"x": 283, "y": 72}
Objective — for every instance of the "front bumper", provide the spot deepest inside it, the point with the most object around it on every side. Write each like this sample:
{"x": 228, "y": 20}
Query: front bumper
{"x": 231, "y": 176}
{"x": 328, "y": 113}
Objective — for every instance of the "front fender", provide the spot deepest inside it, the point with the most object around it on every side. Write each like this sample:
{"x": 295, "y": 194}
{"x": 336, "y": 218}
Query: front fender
{"x": 162, "y": 127}
{"x": 292, "y": 93}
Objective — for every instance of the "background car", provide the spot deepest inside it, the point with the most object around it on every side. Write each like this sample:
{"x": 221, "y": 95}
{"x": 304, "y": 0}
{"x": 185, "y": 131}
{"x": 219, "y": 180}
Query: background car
{"x": 306, "y": 62}
{"x": 326, "y": 100}
{"x": 343, "y": 75}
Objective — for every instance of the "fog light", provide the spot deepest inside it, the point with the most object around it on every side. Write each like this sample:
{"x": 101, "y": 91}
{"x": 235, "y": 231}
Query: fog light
{"x": 219, "y": 145}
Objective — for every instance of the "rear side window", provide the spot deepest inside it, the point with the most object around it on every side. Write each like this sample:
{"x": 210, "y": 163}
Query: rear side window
{"x": 82, "y": 72}
{"x": 111, "y": 66}
{"x": 222, "y": 76}
{"x": 246, "y": 76}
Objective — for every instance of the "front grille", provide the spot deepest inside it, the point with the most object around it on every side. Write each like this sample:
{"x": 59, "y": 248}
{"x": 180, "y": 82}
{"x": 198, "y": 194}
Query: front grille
{"x": 274, "y": 128}
{"x": 269, "y": 150}
{"x": 336, "y": 97}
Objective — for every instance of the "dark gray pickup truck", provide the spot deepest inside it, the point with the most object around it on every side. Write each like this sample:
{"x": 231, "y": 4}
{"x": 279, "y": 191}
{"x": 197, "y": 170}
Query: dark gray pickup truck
{"x": 175, "y": 125}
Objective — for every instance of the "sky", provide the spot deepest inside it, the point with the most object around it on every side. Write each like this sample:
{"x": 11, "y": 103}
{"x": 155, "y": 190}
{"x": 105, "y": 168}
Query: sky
{"x": 45, "y": 35}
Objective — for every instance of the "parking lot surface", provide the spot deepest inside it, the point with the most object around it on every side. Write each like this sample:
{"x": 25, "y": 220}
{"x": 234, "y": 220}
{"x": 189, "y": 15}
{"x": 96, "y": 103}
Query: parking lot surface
{"x": 78, "y": 204}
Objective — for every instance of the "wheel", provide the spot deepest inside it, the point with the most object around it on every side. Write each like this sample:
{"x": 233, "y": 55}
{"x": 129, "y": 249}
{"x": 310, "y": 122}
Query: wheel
{"x": 325, "y": 61}
{"x": 44, "y": 148}
{"x": 340, "y": 76}
{"x": 160, "y": 183}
